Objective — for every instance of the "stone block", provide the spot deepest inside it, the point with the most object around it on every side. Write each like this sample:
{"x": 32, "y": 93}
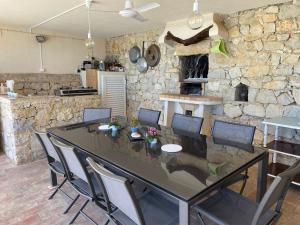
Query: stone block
{"x": 288, "y": 11}
{"x": 269, "y": 28}
{"x": 266, "y": 96}
{"x": 273, "y": 45}
{"x": 273, "y": 110}
{"x": 291, "y": 59}
{"x": 269, "y": 18}
{"x": 257, "y": 71}
{"x": 275, "y": 85}
{"x": 296, "y": 95}
{"x": 234, "y": 72}
{"x": 257, "y": 110}
{"x": 283, "y": 37}
{"x": 252, "y": 93}
{"x": 272, "y": 9}
{"x": 294, "y": 81}
{"x": 217, "y": 74}
{"x": 258, "y": 45}
{"x": 291, "y": 111}
{"x": 232, "y": 111}
{"x": 244, "y": 29}
{"x": 234, "y": 32}
{"x": 256, "y": 29}
{"x": 285, "y": 99}
{"x": 286, "y": 26}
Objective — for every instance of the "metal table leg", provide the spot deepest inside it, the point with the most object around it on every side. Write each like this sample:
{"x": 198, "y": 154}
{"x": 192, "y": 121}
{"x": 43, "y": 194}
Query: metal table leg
{"x": 262, "y": 174}
{"x": 184, "y": 213}
{"x": 266, "y": 135}
{"x": 53, "y": 178}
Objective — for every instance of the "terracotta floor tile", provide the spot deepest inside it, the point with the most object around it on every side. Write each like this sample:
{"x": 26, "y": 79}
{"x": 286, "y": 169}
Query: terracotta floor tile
{"x": 24, "y": 196}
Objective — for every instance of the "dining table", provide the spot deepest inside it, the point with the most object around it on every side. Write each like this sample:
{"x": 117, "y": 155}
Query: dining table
{"x": 204, "y": 164}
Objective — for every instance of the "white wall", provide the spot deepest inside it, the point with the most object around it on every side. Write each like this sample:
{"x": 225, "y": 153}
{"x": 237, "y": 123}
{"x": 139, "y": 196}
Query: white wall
{"x": 19, "y": 53}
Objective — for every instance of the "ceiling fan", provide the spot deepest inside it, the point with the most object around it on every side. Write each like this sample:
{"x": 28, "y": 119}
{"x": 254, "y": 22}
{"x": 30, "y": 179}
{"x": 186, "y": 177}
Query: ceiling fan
{"x": 129, "y": 11}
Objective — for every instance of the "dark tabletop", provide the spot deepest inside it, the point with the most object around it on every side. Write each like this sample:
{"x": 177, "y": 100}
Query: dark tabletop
{"x": 202, "y": 162}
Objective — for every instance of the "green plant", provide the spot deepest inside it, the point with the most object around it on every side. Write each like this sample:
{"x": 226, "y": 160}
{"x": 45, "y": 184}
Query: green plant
{"x": 134, "y": 122}
{"x": 114, "y": 122}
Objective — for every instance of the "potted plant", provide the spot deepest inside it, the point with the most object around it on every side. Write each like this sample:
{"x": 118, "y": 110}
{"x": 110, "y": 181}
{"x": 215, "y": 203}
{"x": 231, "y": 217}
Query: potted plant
{"x": 114, "y": 124}
{"x": 134, "y": 125}
{"x": 152, "y": 135}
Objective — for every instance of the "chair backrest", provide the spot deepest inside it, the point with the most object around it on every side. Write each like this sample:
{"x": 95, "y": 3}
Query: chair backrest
{"x": 276, "y": 192}
{"x": 148, "y": 116}
{"x": 70, "y": 160}
{"x": 188, "y": 124}
{"x": 47, "y": 146}
{"x": 90, "y": 114}
{"x": 119, "y": 192}
{"x": 234, "y": 132}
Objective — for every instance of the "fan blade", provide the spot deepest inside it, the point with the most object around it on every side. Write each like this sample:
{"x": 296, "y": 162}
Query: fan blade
{"x": 147, "y": 7}
{"x": 103, "y": 11}
{"x": 139, "y": 17}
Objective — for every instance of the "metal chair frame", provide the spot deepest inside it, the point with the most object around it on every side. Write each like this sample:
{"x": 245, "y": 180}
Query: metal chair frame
{"x": 244, "y": 177}
{"x": 99, "y": 201}
{"x": 58, "y": 188}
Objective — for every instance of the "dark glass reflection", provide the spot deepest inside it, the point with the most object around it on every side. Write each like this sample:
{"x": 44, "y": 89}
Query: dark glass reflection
{"x": 184, "y": 174}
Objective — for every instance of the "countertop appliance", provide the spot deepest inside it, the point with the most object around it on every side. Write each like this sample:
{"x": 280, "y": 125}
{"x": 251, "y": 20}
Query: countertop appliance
{"x": 68, "y": 91}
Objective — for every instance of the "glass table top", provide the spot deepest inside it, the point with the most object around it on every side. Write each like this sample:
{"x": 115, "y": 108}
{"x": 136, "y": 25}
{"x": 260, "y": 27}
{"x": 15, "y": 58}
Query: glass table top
{"x": 202, "y": 162}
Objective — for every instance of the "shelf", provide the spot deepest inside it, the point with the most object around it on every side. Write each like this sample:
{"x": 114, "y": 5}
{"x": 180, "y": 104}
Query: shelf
{"x": 285, "y": 148}
{"x": 195, "y": 80}
{"x": 277, "y": 168}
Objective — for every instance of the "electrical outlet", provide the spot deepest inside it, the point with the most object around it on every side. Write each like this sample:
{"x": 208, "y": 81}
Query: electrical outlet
{"x": 42, "y": 70}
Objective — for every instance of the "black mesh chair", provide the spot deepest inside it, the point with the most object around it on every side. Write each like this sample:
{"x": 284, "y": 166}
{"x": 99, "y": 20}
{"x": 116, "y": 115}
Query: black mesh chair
{"x": 235, "y": 133}
{"x": 81, "y": 179}
{"x": 238, "y": 133}
{"x": 55, "y": 166}
{"x": 228, "y": 207}
{"x": 91, "y": 114}
{"x": 151, "y": 208}
{"x": 187, "y": 124}
{"x": 148, "y": 117}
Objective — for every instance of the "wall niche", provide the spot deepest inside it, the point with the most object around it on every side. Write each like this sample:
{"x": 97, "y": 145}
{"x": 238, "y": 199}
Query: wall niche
{"x": 241, "y": 93}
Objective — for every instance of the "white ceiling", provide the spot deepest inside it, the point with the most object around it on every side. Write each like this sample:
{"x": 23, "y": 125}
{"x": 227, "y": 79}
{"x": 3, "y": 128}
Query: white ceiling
{"x": 25, "y": 13}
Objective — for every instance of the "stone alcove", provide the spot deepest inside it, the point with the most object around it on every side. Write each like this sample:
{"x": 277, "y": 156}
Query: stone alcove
{"x": 241, "y": 93}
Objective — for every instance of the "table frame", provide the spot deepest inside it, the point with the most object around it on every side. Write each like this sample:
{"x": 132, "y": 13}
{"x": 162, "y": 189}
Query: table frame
{"x": 185, "y": 206}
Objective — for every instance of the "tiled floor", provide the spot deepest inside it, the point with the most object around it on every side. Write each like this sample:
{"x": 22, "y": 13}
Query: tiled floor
{"x": 24, "y": 192}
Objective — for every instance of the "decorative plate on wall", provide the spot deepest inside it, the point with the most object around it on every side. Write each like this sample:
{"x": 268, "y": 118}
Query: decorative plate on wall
{"x": 134, "y": 54}
{"x": 153, "y": 55}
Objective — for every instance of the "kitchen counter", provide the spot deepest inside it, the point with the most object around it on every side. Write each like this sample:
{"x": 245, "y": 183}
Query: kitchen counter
{"x": 22, "y": 115}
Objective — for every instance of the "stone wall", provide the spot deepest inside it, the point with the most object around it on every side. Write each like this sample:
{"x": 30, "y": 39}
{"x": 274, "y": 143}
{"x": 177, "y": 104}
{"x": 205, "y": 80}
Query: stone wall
{"x": 264, "y": 54}
{"x": 143, "y": 89}
{"x": 41, "y": 84}
{"x": 21, "y": 116}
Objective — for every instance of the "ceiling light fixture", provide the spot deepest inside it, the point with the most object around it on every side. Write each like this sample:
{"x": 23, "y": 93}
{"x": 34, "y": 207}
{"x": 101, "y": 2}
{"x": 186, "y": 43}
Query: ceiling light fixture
{"x": 195, "y": 21}
{"x": 89, "y": 42}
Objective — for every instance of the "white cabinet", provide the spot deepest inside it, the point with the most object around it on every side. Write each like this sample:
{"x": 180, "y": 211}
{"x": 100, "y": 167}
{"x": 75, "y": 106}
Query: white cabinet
{"x": 112, "y": 88}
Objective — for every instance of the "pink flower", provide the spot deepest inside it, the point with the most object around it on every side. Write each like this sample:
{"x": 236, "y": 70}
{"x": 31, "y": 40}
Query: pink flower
{"x": 152, "y": 131}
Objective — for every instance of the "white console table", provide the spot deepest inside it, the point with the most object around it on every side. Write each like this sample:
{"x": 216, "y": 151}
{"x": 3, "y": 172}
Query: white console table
{"x": 281, "y": 147}
{"x": 200, "y": 106}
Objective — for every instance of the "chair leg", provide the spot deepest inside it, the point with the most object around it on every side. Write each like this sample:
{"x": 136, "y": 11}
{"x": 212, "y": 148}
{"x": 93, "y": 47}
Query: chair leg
{"x": 201, "y": 219}
{"x": 107, "y": 222}
{"x": 77, "y": 214}
{"x": 57, "y": 189}
{"x": 72, "y": 203}
{"x": 244, "y": 183}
